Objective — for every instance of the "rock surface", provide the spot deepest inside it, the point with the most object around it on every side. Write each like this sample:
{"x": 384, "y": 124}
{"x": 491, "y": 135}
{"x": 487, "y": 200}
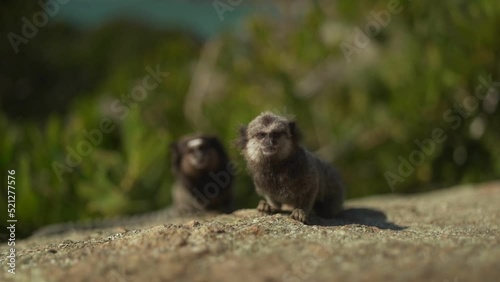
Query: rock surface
{"x": 450, "y": 235}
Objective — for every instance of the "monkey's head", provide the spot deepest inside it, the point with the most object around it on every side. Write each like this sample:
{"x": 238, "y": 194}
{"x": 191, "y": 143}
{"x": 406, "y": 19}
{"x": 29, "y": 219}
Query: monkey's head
{"x": 268, "y": 137}
{"x": 195, "y": 155}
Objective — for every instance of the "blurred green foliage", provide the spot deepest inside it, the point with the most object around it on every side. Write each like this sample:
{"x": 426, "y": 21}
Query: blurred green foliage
{"x": 360, "y": 115}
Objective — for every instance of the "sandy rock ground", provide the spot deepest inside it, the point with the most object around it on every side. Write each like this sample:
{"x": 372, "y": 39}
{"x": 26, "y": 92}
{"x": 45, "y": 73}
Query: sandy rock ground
{"x": 450, "y": 235}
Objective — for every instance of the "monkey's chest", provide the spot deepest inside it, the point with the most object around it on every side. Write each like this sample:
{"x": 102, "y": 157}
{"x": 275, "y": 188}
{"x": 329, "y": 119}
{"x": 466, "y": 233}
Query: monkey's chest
{"x": 280, "y": 187}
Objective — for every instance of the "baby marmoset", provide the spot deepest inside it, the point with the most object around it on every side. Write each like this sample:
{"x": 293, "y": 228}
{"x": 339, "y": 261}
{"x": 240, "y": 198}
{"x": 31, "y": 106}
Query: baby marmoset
{"x": 285, "y": 173}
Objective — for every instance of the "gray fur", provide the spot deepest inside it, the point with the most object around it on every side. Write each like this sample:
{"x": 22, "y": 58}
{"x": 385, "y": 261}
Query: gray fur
{"x": 286, "y": 174}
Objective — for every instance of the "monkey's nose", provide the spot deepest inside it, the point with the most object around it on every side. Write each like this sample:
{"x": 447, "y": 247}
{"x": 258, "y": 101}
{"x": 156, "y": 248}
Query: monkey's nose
{"x": 198, "y": 155}
{"x": 270, "y": 142}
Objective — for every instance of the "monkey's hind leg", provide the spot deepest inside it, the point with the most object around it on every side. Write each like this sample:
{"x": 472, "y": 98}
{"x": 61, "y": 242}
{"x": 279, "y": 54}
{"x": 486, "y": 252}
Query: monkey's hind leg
{"x": 303, "y": 208}
{"x": 300, "y": 215}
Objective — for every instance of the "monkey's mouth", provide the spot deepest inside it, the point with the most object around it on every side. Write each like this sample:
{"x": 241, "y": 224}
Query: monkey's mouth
{"x": 269, "y": 151}
{"x": 199, "y": 163}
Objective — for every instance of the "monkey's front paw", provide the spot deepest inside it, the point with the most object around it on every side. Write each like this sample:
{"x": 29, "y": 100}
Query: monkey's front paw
{"x": 299, "y": 214}
{"x": 265, "y": 207}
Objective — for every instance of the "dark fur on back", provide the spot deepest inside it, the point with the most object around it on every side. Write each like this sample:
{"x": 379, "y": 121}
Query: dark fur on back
{"x": 285, "y": 173}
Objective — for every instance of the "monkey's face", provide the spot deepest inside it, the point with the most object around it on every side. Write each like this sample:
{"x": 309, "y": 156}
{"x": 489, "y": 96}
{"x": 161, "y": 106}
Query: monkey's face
{"x": 269, "y": 137}
{"x": 196, "y": 156}
{"x": 199, "y": 155}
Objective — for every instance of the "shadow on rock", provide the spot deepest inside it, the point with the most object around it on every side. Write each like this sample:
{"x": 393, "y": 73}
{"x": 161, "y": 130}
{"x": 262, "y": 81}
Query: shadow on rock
{"x": 361, "y": 216}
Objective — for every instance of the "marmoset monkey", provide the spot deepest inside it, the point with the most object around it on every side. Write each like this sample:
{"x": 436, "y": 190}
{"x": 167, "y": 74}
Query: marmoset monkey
{"x": 203, "y": 174}
{"x": 203, "y": 183}
{"x": 285, "y": 173}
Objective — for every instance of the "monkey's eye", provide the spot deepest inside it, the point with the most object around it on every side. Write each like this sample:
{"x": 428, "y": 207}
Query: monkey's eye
{"x": 260, "y": 135}
{"x": 276, "y": 135}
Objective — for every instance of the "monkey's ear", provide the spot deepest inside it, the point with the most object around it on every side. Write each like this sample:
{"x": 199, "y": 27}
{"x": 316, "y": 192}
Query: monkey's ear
{"x": 242, "y": 139}
{"x": 175, "y": 157}
{"x": 243, "y": 130}
{"x": 214, "y": 142}
{"x": 294, "y": 131}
